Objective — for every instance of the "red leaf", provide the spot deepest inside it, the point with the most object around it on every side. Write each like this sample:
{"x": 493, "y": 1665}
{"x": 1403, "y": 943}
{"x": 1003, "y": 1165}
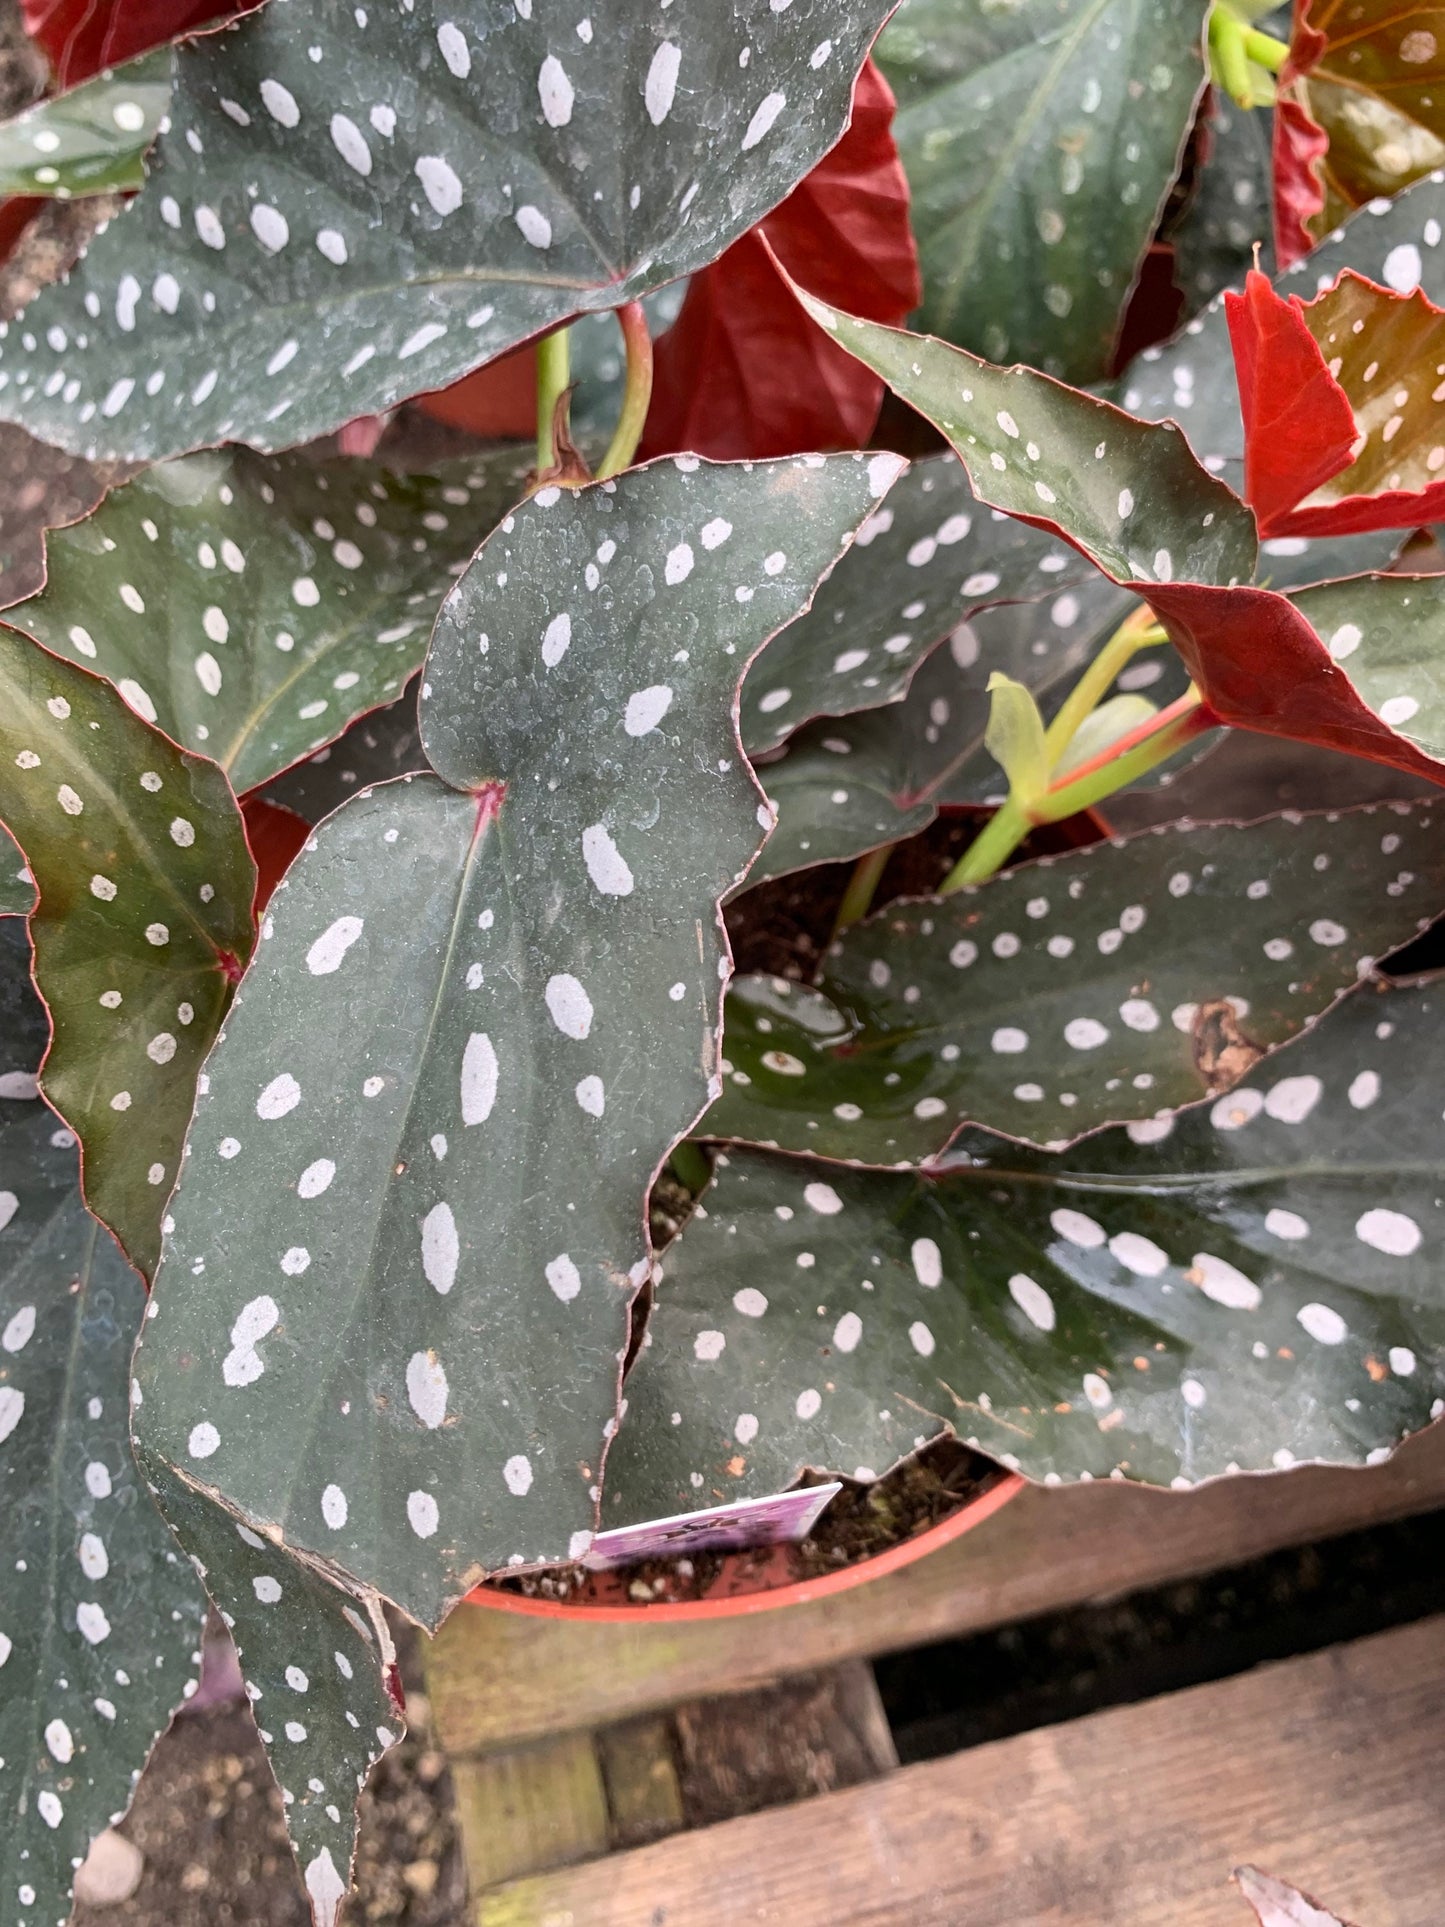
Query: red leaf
{"x": 79, "y": 37}
{"x": 497, "y": 401}
{"x": 1300, "y": 144}
{"x": 1299, "y": 428}
{"x": 1260, "y": 665}
{"x": 742, "y": 371}
{"x": 275, "y": 835}
{"x": 1364, "y": 421}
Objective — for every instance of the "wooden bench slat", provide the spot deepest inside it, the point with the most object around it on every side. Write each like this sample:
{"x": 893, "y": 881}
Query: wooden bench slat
{"x": 1047, "y": 1550}
{"x": 1323, "y": 1769}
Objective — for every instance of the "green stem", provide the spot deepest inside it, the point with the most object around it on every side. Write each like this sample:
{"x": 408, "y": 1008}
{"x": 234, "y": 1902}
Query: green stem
{"x": 553, "y": 376}
{"x": 1265, "y": 51}
{"x": 1228, "y": 61}
{"x": 1125, "y": 762}
{"x": 858, "y": 897}
{"x": 636, "y": 392}
{"x": 1088, "y": 691}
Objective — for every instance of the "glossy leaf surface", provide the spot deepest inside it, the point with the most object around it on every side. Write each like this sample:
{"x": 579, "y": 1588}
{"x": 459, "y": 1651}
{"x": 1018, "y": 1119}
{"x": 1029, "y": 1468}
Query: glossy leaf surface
{"x": 450, "y": 1139}
{"x": 1040, "y": 142}
{"x": 1113, "y": 983}
{"x": 741, "y": 371}
{"x": 374, "y": 750}
{"x": 91, "y": 140}
{"x": 1228, "y": 211}
{"x": 929, "y": 559}
{"x": 436, "y": 187}
{"x": 100, "y": 1617}
{"x": 1130, "y": 495}
{"x": 143, "y": 924}
{"x": 1246, "y": 1286}
{"x": 251, "y": 606}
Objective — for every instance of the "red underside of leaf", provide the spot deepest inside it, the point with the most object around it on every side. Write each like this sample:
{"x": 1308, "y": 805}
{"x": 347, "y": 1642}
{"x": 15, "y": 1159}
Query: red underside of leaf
{"x": 1260, "y": 666}
{"x": 498, "y": 401}
{"x": 16, "y": 215}
{"x": 79, "y": 37}
{"x": 743, "y": 371}
{"x": 1299, "y": 145}
{"x": 1299, "y": 428}
{"x": 275, "y": 835}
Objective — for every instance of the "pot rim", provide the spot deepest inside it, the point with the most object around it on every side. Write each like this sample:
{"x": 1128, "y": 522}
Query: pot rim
{"x": 800, "y": 1592}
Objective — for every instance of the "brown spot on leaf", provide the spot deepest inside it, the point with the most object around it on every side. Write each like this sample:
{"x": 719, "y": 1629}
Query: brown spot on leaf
{"x": 1377, "y": 1369}
{"x": 1222, "y": 1052}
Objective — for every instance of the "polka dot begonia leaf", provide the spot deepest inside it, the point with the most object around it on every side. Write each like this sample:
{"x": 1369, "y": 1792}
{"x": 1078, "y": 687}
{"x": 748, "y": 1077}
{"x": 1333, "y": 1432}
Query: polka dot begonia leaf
{"x": 353, "y": 205}
{"x": 90, "y": 140}
{"x": 1112, "y": 984}
{"x": 1243, "y": 1287}
{"x": 143, "y": 924}
{"x": 1129, "y": 494}
{"x": 252, "y": 605}
{"x": 17, "y": 891}
{"x": 1228, "y": 213}
{"x": 100, "y": 1616}
{"x": 930, "y": 559}
{"x": 375, "y": 749}
{"x": 316, "y": 1664}
{"x": 1041, "y": 140}
{"x": 484, "y": 1006}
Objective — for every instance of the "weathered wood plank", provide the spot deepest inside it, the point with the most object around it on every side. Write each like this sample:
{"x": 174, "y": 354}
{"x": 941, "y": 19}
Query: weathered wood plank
{"x": 1324, "y": 1769}
{"x": 539, "y": 1806}
{"x": 1048, "y": 1549}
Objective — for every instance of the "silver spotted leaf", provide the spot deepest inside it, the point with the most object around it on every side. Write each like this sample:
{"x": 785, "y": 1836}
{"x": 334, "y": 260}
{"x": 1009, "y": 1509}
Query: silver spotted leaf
{"x": 317, "y": 1666}
{"x": 91, "y": 139}
{"x": 1040, "y": 140}
{"x": 100, "y": 1616}
{"x": 251, "y": 606}
{"x": 353, "y": 205}
{"x": 143, "y": 925}
{"x": 1128, "y": 493}
{"x": 1114, "y": 983}
{"x": 1242, "y": 1287}
{"x": 375, "y": 749}
{"x": 1230, "y": 207}
{"x": 17, "y": 891}
{"x": 930, "y": 559}
{"x": 483, "y": 1009}
{"x": 1386, "y": 633}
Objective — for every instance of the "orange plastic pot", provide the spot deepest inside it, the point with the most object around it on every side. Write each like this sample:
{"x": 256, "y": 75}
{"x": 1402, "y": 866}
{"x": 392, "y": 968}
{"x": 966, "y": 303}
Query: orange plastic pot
{"x": 750, "y": 1583}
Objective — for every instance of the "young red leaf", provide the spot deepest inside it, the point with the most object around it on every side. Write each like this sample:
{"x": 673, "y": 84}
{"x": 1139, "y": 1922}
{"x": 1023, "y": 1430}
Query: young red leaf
{"x": 80, "y": 37}
{"x": 1339, "y": 396}
{"x": 1300, "y": 145}
{"x": 275, "y": 835}
{"x": 1299, "y": 428}
{"x": 742, "y": 371}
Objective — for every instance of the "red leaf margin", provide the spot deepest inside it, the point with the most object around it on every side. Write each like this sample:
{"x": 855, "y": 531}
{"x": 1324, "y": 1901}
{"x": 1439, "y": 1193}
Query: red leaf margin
{"x": 743, "y": 373}
{"x": 1299, "y": 145}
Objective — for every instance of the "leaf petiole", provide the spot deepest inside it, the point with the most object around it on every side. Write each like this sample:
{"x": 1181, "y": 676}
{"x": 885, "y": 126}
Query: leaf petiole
{"x": 1139, "y": 631}
{"x": 636, "y": 392}
{"x": 554, "y": 374}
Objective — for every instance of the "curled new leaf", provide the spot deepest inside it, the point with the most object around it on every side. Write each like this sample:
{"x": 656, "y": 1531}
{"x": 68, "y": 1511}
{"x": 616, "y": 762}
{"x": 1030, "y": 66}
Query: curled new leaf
{"x": 410, "y": 1373}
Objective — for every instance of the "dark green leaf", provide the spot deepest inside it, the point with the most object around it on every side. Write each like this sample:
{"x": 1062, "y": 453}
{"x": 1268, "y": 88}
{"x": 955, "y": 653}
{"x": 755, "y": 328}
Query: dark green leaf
{"x": 100, "y": 1617}
{"x": 930, "y": 559}
{"x": 376, "y": 748}
{"x": 1386, "y": 633}
{"x": 431, "y": 1078}
{"x": 1040, "y": 140}
{"x": 143, "y": 925}
{"x": 91, "y": 140}
{"x": 1242, "y": 1287}
{"x": 353, "y": 205}
{"x": 251, "y": 606}
{"x": 1117, "y": 982}
{"x": 17, "y": 892}
{"x": 1230, "y": 208}
{"x": 1128, "y": 493}
{"x": 315, "y": 1665}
